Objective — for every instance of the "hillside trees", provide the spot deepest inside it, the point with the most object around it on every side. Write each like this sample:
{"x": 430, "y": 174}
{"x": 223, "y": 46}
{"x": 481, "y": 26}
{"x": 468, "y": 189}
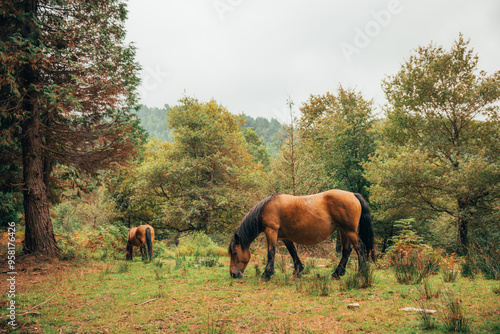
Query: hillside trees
{"x": 67, "y": 84}
{"x": 256, "y": 147}
{"x": 154, "y": 121}
{"x": 440, "y": 153}
{"x": 205, "y": 179}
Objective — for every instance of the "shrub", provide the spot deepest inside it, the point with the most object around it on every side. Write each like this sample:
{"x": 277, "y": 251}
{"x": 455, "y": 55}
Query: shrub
{"x": 318, "y": 285}
{"x": 453, "y": 317}
{"x": 427, "y": 321}
{"x": 199, "y": 244}
{"x": 412, "y": 260}
{"x": 358, "y": 279}
{"x": 450, "y": 268}
{"x": 483, "y": 256}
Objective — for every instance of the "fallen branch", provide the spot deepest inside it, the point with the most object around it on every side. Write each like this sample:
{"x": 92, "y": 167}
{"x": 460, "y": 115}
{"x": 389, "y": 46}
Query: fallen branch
{"x": 43, "y": 302}
{"x": 34, "y": 307}
{"x": 147, "y": 301}
{"x": 29, "y": 312}
{"x": 406, "y": 309}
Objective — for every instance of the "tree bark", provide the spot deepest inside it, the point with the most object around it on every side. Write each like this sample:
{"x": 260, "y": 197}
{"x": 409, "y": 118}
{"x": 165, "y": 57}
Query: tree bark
{"x": 463, "y": 234}
{"x": 39, "y": 234}
{"x": 463, "y": 226}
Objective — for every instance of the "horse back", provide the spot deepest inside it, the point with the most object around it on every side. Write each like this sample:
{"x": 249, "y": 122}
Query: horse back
{"x": 311, "y": 219}
{"x": 343, "y": 207}
{"x": 131, "y": 237}
{"x": 141, "y": 233}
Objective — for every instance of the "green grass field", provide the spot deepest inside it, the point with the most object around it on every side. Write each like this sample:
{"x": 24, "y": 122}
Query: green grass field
{"x": 196, "y": 295}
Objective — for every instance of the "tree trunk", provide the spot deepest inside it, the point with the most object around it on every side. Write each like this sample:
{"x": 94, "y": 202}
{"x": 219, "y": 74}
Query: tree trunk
{"x": 463, "y": 225}
{"x": 39, "y": 234}
{"x": 463, "y": 228}
{"x": 39, "y": 237}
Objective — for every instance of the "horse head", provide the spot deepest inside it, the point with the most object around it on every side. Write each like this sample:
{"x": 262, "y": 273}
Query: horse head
{"x": 239, "y": 257}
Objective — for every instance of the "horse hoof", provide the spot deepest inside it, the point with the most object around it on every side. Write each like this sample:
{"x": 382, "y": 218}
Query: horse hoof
{"x": 335, "y": 277}
{"x": 265, "y": 279}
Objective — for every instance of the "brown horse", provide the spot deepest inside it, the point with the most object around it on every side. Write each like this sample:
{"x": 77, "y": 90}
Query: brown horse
{"x": 140, "y": 237}
{"x": 305, "y": 220}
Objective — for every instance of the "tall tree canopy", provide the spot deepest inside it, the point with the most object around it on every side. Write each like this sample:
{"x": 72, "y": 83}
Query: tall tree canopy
{"x": 296, "y": 170}
{"x": 67, "y": 84}
{"x": 440, "y": 157}
{"x": 339, "y": 130}
{"x": 204, "y": 180}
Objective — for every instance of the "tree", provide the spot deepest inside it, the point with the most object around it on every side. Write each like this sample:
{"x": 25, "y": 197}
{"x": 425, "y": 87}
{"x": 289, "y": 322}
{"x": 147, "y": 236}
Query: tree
{"x": 268, "y": 130}
{"x": 440, "y": 157}
{"x": 67, "y": 84}
{"x": 256, "y": 147}
{"x": 205, "y": 179}
{"x": 339, "y": 130}
{"x": 295, "y": 170}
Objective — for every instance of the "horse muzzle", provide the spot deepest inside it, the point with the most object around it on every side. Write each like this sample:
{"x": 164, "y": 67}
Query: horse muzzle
{"x": 238, "y": 274}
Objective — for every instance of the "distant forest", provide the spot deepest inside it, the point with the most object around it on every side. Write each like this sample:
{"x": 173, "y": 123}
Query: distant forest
{"x": 154, "y": 121}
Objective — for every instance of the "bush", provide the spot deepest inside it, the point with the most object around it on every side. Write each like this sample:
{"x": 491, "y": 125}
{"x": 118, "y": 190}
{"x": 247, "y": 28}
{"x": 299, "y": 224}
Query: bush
{"x": 454, "y": 318}
{"x": 483, "y": 256}
{"x": 199, "y": 244}
{"x": 450, "y": 268}
{"x": 358, "y": 279}
{"x": 319, "y": 285}
{"x": 412, "y": 260}
{"x": 100, "y": 244}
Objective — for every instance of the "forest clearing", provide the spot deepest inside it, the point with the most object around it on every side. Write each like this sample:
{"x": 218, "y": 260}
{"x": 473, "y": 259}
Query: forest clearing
{"x": 195, "y": 294}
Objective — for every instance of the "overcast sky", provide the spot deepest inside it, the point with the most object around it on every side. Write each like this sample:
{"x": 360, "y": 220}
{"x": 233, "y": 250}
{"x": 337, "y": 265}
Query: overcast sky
{"x": 251, "y": 56}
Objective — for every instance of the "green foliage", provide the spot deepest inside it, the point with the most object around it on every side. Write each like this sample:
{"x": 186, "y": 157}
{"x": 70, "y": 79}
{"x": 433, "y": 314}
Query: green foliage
{"x": 154, "y": 121}
{"x": 450, "y": 268}
{"x": 199, "y": 244}
{"x": 320, "y": 285}
{"x": 483, "y": 256}
{"x": 105, "y": 243}
{"x": 413, "y": 261}
{"x": 67, "y": 96}
{"x": 204, "y": 180}
{"x": 296, "y": 170}
{"x": 428, "y": 322}
{"x": 339, "y": 131}
{"x": 256, "y": 148}
{"x": 358, "y": 279}
{"x": 269, "y": 130}
{"x": 439, "y": 154}
{"x": 454, "y": 318}
{"x": 87, "y": 211}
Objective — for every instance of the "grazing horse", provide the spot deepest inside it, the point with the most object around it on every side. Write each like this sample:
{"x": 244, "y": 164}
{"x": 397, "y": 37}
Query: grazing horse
{"x": 305, "y": 220}
{"x": 140, "y": 237}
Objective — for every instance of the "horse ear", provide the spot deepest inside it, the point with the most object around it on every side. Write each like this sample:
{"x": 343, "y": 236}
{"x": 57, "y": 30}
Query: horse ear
{"x": 237, "y": 239}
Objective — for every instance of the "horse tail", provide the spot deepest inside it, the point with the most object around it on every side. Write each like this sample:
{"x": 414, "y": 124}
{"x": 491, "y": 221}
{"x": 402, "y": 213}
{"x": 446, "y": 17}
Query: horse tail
{"x": 365, "y": 230}
{"x": 149, "y": 242}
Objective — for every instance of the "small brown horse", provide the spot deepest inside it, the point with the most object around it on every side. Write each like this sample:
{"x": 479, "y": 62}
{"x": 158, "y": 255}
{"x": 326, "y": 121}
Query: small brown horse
{"x": 305, "y": 220}
{"x": 140, "y": 237}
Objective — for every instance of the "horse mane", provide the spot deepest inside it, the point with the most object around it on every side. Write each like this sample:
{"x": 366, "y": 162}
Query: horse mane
{"x": 250, "y": 226}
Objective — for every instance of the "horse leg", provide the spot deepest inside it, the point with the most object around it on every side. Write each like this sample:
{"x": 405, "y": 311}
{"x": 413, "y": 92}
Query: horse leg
{"x": 272, "y": 239}
{"x": 297, "y": 265}
{"x": 144, "y": 252}
{"x": 359, "y": 247}
{"x": 346, "y": 251}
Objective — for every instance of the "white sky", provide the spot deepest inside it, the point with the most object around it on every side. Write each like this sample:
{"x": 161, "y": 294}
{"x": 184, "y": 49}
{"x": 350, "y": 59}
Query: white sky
{"x": 251, "y": 55}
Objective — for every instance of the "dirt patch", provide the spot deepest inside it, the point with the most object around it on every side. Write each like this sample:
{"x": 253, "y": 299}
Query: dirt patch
{"x": 33, "y": 269}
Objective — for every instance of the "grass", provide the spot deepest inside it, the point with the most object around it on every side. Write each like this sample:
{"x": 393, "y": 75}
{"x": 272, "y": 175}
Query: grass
{"x": 182, "y": 295}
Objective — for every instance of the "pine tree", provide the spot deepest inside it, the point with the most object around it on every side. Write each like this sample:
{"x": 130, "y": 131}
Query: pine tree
{"x": 67, "y": 85}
